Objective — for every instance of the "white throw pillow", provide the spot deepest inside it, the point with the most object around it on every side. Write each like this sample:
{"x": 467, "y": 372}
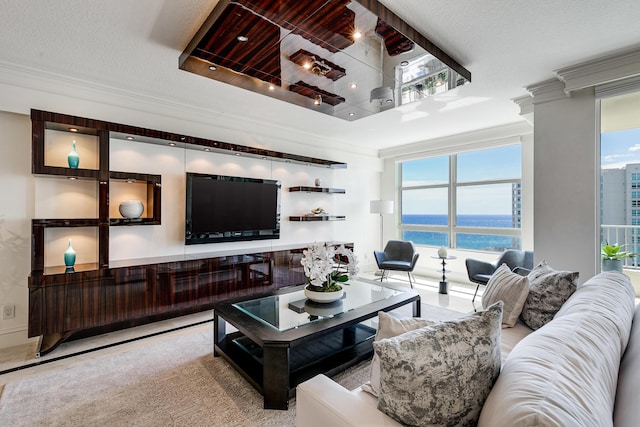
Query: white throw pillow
{"x": 510, "y": 288}
{"x": 440, "y": 375}
{"x": 388, "y": 327}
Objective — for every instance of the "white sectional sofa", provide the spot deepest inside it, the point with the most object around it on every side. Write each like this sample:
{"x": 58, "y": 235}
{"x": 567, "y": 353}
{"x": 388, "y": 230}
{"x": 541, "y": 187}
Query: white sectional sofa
{"x": 580, "y": 369}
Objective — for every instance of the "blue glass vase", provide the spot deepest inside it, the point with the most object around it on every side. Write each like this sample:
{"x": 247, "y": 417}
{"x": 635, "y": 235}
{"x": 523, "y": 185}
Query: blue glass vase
{"x": 73, "y": 158}
{"x": 69, "y": 256}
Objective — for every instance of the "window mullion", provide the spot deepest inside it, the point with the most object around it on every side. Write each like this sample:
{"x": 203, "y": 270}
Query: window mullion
{"x": 453, "y": 166}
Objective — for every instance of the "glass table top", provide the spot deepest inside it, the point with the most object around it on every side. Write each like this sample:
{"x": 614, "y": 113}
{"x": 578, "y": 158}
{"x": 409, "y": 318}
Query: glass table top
{"x": 291, "y": 310}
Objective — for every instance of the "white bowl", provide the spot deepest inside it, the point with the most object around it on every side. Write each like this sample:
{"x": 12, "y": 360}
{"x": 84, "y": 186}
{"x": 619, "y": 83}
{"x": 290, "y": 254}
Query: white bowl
{"x": 131, "y": 208}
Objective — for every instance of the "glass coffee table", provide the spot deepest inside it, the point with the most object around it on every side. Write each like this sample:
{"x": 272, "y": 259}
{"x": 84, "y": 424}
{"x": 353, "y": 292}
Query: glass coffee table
{"x": 283, "y": 339}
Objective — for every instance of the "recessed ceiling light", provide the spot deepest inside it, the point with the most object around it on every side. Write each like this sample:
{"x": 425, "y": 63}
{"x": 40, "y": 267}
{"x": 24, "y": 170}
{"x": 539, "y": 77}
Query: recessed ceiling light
{"x": 213, "y": 67}
{"x": 73, "y": 130}
{"x": 272, "y": 87}
{"x": 130, "y": 138}
{"x": 357, "y": 35}
{"x": 242, "y": 38}
{"x": 207, "y": 149}
{"x": 353, "y": 85}
{"x": 306, "y": 65}
{"x": 404, "y": 63}
{"x": 352, "y": 114}
{"x": 237, "y": 154}
{"x": 72, "y": 178}
{"x": 173, "y": 144}
{"x": 131, "y": 181}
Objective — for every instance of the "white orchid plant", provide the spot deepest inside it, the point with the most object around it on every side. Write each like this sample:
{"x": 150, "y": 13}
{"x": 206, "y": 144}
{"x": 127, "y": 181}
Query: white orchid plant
{"x": 324, "y": 270}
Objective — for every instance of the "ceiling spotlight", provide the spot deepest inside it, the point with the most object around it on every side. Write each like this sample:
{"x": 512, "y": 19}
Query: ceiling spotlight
{"x": 352, "y": 114}
{"x": 317, "y": 100}
{"x": 73, "y": 130}
{"x": 130, "y": 181}
{"x": 272, "y": 87}
{"x": 404, "y": 63}
{"x": 306, "y": 65}
{"x": 353, "y": 85}
{"x": 130, "y": 138}
{"x": 72, "y": 178}
{"x": 172, "y": 144}
{"x": 357, "y": 35}
{"x": 213, "y": 68}
{"x": 242, "y": 38}
{"x": 207, "y": 149}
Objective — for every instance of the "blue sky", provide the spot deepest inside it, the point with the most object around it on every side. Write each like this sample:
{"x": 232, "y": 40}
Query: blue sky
{"x": 484, "y": 165}
{"x": 619, "y": 148}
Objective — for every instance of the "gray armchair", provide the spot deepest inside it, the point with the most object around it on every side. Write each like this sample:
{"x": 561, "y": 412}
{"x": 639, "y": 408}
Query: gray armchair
{"x": 398, "y": 255}
{"x": 480, "y": 272}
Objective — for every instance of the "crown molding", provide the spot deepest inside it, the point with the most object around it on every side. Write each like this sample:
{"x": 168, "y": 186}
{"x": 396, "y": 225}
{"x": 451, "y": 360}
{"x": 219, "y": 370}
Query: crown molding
{"x": 61, "y": 89}
{"x": 525, "y": 103}
{"x": 547, "y": 91}
{"x": 483, "y": 138}
{"x": 599, "y": 71}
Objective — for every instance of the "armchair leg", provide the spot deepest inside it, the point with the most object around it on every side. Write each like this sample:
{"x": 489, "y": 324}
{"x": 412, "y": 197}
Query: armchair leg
{"x": 382, "y": 275}
{"x": 476, "y": 293}
{"x": 410, "y": 282}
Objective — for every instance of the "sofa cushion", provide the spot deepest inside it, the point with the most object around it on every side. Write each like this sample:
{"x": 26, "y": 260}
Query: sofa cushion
{"x": 441, "y": 374}
{"x": 627, "y": 410}
{"x": 565, "y": 374}
{"x": 510, "y": 288}
{"x": 389, "y": 326}
{"x": 548, "y": 290}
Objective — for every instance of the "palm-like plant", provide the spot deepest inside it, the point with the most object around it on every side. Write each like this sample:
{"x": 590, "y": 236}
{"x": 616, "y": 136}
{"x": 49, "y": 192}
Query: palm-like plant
{"x": 615, "y": 252}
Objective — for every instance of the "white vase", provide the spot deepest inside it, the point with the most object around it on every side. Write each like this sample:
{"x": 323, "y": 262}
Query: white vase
{"x": 612, "y": 265}
{"x": 131, "y": 208}
{"x": 442, "y": 252}
{"x": 323, "y": 297}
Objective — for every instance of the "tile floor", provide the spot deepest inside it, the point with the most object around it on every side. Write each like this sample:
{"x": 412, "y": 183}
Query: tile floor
{"x": 20, "y": 362}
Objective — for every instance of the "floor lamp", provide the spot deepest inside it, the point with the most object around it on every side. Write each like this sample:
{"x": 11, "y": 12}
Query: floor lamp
{"x": 381, "y": 207}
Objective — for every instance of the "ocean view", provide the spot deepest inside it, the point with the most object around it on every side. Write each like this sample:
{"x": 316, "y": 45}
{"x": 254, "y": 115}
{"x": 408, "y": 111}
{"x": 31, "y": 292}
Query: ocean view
{"x": 464, "y": 241}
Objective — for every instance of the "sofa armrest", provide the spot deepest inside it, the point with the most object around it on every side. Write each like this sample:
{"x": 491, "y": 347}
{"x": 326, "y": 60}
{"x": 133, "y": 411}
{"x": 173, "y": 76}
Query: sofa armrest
{"x": 321, "y": 402}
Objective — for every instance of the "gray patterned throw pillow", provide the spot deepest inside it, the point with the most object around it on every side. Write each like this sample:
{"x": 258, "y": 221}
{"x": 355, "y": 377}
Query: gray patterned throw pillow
{"x": 440, "y": 375}
{"x": 548, "y": 290}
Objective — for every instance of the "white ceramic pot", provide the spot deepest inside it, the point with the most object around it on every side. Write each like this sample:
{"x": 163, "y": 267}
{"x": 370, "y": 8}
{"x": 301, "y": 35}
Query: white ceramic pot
{"x": 131, "y": 209}
{"x": 612, "y": 265}
{"x": 323, "y": 297}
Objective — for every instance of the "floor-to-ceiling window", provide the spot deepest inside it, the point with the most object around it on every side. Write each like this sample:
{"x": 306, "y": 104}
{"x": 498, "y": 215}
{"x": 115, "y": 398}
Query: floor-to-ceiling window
{"x": 620, "y": 173}
{"x": 468, "y": 200}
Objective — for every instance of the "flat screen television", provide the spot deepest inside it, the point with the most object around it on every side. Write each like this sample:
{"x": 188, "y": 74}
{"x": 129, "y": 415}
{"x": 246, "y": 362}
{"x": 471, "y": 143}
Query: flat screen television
{"x": 229, "y": 208}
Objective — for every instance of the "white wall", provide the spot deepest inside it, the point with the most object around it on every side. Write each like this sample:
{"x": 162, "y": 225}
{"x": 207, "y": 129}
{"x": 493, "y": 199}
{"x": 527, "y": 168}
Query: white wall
{"x": 16, "y": 207}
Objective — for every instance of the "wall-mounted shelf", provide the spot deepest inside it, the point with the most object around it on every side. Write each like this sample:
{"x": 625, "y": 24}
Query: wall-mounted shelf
{"x": 317, "y": 190}
{"x": 304, "y": 218}
{"x": 148, "y": 186}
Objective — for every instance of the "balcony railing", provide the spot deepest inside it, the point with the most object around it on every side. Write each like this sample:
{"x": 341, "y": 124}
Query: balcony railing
{"x": 627, "y": 235}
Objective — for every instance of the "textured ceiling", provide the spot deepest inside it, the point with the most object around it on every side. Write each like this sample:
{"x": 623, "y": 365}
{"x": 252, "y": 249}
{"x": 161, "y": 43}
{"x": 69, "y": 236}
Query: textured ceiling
{"x": 506, "y": 45}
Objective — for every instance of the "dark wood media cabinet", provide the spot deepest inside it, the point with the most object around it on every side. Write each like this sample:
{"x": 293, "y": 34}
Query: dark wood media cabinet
{"x": 84, "y": 303}
{"x": 104, "y": 295}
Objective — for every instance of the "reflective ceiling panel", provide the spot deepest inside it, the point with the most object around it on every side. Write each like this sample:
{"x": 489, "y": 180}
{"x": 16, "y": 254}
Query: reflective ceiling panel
{"x": 344, "y": 58}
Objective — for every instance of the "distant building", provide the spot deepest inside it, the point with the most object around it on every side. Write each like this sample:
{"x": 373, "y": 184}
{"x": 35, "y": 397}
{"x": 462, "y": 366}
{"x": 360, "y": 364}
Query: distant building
{"x": 516, "y": 205}
{"x": 620, "y": 195}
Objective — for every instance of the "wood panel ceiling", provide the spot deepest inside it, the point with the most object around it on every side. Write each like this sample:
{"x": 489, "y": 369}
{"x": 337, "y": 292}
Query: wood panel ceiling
{"x": 306, "y": 51}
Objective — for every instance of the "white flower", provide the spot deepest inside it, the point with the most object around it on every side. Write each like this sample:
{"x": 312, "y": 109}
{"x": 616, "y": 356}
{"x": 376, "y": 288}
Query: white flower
{"x": 319, "y": 262}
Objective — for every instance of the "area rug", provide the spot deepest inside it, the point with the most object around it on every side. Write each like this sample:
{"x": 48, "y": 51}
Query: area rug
{"x": 168, "y": 380}
{"x": 176, "y": 382}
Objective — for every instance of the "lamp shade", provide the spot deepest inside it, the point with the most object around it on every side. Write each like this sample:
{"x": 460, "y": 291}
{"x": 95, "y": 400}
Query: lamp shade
{"x": 381, "y": 206}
